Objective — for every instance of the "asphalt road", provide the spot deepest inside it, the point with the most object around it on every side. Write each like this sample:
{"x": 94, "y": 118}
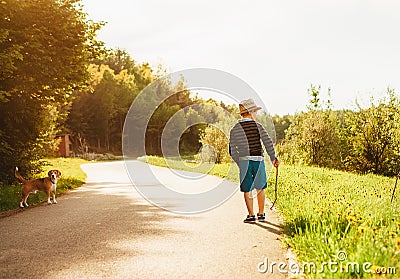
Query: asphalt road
{"x": 105, "y": 229}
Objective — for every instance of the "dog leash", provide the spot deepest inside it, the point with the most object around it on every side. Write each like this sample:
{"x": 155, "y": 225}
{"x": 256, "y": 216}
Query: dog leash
{"x": 395, "y": 185}
{"x": 276, "y": 188}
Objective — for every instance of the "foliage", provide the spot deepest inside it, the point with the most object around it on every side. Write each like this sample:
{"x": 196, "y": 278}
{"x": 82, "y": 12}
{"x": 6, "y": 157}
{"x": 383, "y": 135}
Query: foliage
{"x": 268, "y": 123}
{"x": 72, "y": 177}
{"x": 44, "y": 49}
{"x": 195, "y": 124}
{"x": 374, "y": 137}
{"x": 215, "y": 143}
{"x": 315, "y": 102}
{"x": 120, "y": 60}
{"x": 363, "y": 141}
{"x": 281, "y": 124}
{"x": 314, "y": 93}
{"x": 54, "y": 42}
{"x": 171, "y": 102}
{"x": 97, "y": 117}
{"x": 313, "y": 138}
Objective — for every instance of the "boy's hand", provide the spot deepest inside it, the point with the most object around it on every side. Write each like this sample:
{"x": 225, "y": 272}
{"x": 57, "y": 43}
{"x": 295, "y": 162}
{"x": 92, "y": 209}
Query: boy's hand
{"x": 276, "y": 163}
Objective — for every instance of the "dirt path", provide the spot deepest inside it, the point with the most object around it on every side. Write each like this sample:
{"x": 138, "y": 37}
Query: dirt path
{"x": 105, "y": 229}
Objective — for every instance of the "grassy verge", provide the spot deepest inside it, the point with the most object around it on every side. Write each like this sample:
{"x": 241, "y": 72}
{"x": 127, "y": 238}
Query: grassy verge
{"x": 72, "y": 177}
{"x": 221, "y": 170}
{"x": 332, "y": 217}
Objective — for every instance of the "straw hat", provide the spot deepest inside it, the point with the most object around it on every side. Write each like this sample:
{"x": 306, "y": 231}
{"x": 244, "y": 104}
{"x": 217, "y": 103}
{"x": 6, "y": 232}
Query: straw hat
{"x": 248, "y": 105}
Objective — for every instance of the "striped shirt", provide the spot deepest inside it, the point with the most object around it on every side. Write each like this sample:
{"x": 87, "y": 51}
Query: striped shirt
{"x": 245, "y": 141}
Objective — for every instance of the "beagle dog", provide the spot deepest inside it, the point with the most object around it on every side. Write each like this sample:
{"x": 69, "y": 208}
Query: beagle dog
{"x": 47, "y": 185}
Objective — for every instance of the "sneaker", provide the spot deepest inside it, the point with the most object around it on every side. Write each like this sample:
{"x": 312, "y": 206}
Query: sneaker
{"x": 250, "y": 219}
{"x": 261, "y": 217}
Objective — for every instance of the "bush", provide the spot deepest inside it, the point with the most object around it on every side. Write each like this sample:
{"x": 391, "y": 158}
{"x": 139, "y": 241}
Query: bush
{"x": 374, "y": 137}
{"x": 215, "y": 144}
{"x": 363, "y": 141}
{"x": 312, "y": 139}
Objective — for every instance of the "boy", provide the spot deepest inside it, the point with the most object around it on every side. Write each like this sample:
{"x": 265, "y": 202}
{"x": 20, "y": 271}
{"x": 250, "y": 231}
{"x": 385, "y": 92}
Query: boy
{"x": 246, "y": 150}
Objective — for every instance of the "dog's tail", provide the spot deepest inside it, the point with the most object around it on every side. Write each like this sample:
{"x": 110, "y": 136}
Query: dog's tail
{"x": 18, "y": 175}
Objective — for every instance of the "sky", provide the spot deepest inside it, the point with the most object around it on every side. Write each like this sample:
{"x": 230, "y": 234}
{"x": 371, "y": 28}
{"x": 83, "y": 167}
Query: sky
{"x": 278, "y": 47}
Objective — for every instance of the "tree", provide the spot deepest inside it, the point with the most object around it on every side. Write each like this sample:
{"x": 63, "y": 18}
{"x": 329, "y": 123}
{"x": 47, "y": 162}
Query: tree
{"x": 312, "y": 137}
{"x": 318, "y": 140}
{"x": 195, "y": 127}
{"x": 45, "y": 46}
{"x": 155, "y": 130}
{"x": 314, "y": 102}
{"x": 267, "y": 122}
{"x": 217, "y": 137}
{"x": 374, "y": 135}
{"x": 52, "y": 42}
{"x": 281, "y": 124}
{"x": 98, "y": 115}
{"x": 119, "y": 60}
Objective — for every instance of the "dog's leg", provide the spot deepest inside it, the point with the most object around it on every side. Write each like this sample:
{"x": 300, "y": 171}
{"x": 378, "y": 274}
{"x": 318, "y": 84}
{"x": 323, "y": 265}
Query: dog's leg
{"x": 25, "y": 195}
{"x": 48, "y": 196}
{"x": 23, "y": 202}
{"x": 54, "y": 196}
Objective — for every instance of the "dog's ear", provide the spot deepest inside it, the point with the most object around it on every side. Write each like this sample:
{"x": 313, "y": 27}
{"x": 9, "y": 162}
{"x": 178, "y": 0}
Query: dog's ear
{"x": 59, "y": 173}
{"x": 49, "y": 174}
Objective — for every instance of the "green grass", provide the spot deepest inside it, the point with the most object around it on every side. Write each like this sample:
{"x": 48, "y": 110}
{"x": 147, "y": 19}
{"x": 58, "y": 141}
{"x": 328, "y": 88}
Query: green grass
{"x": 72, "y": 177}
{"x": 327, "y": 211}
{"x": 221, "y": 170}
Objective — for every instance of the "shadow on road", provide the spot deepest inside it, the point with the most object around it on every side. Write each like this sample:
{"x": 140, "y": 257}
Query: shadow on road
{"x": 98, "y": 223}
{"x": 268, "y": 226}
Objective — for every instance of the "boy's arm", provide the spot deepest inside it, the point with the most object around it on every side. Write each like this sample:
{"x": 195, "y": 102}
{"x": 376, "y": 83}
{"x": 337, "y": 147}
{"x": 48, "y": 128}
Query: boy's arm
{"x": 233, "y": 147}
{"x": 267, "y": 141}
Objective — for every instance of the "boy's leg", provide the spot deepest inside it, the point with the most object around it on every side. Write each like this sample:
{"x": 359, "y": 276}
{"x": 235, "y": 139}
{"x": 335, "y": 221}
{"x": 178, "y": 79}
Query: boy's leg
{"x": 260, "y": 180}
{"x": 261, "y": 201}
{"x": 246, "y": 182}
{"x": 249, "y": 203}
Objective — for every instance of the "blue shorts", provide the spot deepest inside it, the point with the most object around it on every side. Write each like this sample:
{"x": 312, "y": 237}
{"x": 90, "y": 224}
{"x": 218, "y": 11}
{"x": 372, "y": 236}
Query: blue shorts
{"x": 252, "y": 175}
